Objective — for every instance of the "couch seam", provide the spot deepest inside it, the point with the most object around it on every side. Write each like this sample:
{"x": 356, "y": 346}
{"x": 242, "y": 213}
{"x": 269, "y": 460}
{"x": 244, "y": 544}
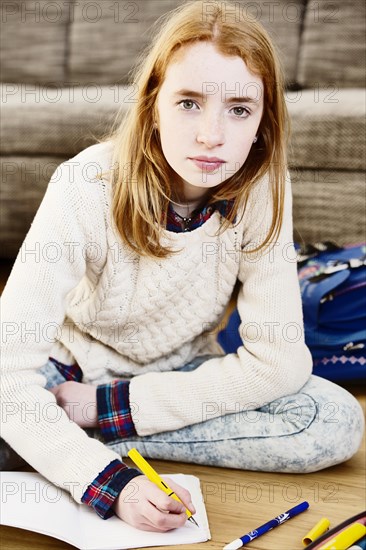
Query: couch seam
{"x": 301, "y": 43}
{"x": 70, "y": 21}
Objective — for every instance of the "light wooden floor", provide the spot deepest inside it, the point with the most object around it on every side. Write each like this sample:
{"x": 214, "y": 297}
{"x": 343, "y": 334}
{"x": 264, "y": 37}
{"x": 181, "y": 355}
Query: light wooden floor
{"x": 239, "y": 501}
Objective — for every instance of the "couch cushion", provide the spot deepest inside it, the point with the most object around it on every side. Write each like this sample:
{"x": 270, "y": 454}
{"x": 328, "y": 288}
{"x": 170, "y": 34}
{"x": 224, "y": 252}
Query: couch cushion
{"x": 283, "y": 20}
{"x": 333, "y": 42}
{"x": 33, "y": 40}
{"x": 106, "y": 36}
{"x": 57, "y": 121}
{"x": 24, "y": 182}
{"x": 326, "y": 134}
{"x": 328, "y": 129}
{"x": 328, "y": 205}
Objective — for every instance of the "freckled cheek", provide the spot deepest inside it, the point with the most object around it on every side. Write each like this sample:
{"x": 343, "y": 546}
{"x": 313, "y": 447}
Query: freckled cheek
{"x": 177, "y": 140}
{"x": 171, "y": 131}
{"x": 240, "y": 151}
{"x": 172, "y": 148}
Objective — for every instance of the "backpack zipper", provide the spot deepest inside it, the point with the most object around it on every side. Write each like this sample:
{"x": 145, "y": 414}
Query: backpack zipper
{"x": 351, "y": 346}
{"x": 329, "y": 297}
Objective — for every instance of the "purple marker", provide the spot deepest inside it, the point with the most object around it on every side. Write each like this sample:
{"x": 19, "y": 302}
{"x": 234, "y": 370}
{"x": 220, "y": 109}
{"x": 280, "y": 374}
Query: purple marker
{"x": 238, "y": 543}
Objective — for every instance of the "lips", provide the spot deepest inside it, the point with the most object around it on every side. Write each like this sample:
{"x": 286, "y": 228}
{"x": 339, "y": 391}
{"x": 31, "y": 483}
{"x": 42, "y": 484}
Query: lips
{"x": 207, "y": 159}
{"x": 210, "y": 165}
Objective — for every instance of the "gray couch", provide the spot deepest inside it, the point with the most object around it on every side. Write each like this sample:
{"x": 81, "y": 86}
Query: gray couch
{"x": 64, "y": 74}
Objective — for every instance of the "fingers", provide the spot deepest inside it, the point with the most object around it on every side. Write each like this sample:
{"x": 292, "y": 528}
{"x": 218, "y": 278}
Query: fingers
{"x": 147, "y": 527}
{"x": 172, "y": 506}
{"x": 153, "y": 510}
{"x": 182, "y": 493}
{"x": 164, "y": 502}
{"x": 163, "y": 521}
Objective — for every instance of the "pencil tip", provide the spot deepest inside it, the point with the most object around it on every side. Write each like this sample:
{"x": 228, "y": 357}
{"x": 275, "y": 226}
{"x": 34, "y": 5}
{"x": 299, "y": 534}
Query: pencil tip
{"x": 193, "y": 520}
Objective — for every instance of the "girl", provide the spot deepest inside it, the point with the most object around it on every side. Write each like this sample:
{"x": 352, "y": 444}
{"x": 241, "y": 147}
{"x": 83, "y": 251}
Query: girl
{"x": 127, "y": 270}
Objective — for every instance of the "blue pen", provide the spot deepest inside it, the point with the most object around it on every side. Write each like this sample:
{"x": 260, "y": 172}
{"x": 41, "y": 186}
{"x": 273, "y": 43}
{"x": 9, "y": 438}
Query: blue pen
{"x": 238, "y": 543}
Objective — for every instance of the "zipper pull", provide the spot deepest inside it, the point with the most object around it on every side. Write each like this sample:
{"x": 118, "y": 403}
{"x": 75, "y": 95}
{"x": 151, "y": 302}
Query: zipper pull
{"x": 327, "y": 298}
{"x": 351, "y": 346}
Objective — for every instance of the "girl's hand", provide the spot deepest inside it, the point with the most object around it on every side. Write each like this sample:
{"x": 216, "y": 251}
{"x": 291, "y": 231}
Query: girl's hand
{"x": 79, "y": 401}
{"x": 144, "y": 506}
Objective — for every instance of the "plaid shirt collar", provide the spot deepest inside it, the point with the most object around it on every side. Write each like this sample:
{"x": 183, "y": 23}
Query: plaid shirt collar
{"x": 177, "y": 224}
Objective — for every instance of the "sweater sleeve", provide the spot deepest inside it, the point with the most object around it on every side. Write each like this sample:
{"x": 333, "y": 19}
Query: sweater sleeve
{"x": 51, "y": 262}
{"x": 273, "y": 359}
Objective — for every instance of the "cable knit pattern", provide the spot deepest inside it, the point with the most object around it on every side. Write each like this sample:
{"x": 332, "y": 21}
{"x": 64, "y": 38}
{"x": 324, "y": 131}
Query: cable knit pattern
{"x": 93, "y": 302}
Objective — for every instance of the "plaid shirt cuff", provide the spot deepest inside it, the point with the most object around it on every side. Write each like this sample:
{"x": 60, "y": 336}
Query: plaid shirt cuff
{"x": 105, "y": 489}
{"x": 69, "y": 372}
{"x": 114, "y": 412}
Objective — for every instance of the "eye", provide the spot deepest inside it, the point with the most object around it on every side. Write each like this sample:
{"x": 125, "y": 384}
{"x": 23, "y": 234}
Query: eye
{"x": 243, "y": 110}
{"x": 187, "y": 101}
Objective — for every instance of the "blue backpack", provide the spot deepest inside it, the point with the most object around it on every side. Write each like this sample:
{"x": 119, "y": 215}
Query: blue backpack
{"x": 333, "y": 291}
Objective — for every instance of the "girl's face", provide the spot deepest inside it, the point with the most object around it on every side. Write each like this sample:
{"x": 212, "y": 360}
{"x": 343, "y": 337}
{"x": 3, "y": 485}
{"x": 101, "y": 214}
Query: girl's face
{"x": 208, "y": 105}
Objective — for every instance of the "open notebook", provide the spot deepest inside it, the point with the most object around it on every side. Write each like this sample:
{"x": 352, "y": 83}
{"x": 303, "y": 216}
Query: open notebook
{"x": 29, "y": 501}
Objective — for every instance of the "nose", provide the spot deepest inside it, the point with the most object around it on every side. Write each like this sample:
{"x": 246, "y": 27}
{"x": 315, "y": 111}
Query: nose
{"x": 211, "y": 130}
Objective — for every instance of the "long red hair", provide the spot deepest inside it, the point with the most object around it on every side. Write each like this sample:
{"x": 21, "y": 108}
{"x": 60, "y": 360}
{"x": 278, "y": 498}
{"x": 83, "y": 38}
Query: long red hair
{"x": 141, "y": 176}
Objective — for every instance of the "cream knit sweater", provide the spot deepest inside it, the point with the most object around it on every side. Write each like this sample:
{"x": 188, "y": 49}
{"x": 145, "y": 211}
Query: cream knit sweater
{"x": 76, "y": 293}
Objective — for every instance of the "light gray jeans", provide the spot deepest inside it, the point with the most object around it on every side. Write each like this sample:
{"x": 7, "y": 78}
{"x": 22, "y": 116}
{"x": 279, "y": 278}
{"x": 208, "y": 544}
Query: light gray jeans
{"x": 317, "y": 427}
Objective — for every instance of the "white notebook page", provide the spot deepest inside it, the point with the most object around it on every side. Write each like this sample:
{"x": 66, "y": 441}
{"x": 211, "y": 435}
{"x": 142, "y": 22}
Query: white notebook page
{"x": 29, "y": 501}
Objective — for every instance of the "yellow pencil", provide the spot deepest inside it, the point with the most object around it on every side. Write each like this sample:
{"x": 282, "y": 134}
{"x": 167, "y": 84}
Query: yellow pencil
{"x": 153, "y": 476}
